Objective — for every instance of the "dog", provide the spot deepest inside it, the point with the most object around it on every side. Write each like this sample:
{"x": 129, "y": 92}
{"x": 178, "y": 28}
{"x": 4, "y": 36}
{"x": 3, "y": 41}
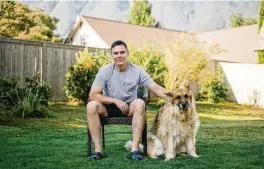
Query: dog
{"x": 175, "y": 127}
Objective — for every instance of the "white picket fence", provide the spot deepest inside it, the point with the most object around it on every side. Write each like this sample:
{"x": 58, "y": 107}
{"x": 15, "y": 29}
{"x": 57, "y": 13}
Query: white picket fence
{"x": 245, "y": 82}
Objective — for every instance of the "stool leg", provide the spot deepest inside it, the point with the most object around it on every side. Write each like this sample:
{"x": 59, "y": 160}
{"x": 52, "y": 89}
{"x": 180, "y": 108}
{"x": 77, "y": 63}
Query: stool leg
{"x": 144, "y": 139}
{"x": 103, "y": 136}
{"x": 89, "y": 144}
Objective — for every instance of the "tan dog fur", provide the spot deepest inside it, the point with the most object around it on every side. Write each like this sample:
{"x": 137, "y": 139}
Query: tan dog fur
{"x": 175, "y": 127}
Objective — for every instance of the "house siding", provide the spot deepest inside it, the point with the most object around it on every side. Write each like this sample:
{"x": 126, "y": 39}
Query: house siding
{"x": 87, "y": 36}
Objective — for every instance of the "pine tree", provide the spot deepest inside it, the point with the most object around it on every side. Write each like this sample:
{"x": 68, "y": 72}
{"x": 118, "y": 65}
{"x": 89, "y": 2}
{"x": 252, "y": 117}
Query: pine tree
{"x": 141, "y": 14}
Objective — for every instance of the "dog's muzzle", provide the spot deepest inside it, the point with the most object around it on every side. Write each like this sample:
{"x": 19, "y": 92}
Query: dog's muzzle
{"x": 183, "y": 105}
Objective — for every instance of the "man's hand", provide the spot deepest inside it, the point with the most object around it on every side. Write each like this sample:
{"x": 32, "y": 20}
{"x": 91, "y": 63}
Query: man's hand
{"x": 122, "y": 106}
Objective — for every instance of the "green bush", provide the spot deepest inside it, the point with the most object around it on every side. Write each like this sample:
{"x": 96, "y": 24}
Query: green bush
{"x": 261, "y": 57}
{"x": 41, "y": 88}
{"x": 213, "y": 89}
{"x": 81, "y": 75}
{"x": 32, "y": 101}
{"x": 7, "y": 89}
{"x": 160, "y": 102}
{"x": 30, "y": 105}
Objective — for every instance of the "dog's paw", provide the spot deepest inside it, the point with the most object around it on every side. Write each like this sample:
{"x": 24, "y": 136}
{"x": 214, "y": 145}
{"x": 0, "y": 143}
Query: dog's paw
{"x": 194, "y": 155}
{"x": 169, "y": 157}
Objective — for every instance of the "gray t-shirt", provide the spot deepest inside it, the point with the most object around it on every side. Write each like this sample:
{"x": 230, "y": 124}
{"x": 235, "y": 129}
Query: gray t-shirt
{"x": 121, "y": 85}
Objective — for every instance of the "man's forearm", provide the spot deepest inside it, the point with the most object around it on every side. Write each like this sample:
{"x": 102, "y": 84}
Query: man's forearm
{"x": 102, "y": 99}
{"x": 161, "y": 92}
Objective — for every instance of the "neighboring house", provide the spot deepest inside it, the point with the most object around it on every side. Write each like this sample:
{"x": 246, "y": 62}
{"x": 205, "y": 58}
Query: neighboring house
{"x": 239, "y": 42}
{"x": 100, "y": 33}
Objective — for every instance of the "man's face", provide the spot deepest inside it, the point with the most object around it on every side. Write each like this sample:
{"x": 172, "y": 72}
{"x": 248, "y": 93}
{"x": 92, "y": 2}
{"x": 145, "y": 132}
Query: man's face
{"x": 119, "y": 54}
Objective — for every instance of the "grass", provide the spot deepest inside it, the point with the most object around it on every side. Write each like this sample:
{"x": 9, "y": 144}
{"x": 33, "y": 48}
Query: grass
{"x": 230, "y": 136}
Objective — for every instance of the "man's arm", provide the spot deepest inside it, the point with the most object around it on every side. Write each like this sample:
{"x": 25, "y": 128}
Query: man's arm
{"x": 159, "y": 91}
{"x": 96, "y": 94}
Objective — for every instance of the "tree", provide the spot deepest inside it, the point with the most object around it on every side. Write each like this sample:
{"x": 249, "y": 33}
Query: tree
{"x": 238, "y": 20}
{"x": 260, "y": 15}
{"x": 186, "y": 57}
{"x": 260, "y": 22}
{"x": 141, "y": 14}
{"x": 19, "y": 21}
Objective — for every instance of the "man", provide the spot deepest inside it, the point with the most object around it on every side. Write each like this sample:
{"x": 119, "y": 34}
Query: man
{"x": 114, "y": 93}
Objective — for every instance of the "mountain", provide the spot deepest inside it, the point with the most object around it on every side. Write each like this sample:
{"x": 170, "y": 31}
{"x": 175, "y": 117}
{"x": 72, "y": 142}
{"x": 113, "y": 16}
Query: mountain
{"x": 192, "y": 16}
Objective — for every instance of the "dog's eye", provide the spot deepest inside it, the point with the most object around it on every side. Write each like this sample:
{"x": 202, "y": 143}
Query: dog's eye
{"x": 186, "y": 96}
{"x": 178, "y": 97}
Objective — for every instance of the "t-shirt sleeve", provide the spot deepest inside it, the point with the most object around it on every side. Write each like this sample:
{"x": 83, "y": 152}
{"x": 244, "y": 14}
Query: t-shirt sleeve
{"x": 144, "y": 78}
{"x": 99, "y": 80}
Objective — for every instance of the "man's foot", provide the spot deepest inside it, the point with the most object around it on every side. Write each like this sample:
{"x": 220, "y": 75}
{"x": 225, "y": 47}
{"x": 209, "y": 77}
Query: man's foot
{"x": 96, "y": 156}
{"x": 137, "y": 155}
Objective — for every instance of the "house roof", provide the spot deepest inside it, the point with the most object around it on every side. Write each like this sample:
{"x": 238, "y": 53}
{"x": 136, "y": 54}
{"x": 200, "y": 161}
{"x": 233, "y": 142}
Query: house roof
{"x": 111, "y": 31}
{"x": 239, "y": 42}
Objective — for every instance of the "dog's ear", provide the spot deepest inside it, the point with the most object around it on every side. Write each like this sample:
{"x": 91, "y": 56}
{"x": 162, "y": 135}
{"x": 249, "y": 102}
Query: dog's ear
{"x": 170, "y": 94}
{"x": 186, "y": 84}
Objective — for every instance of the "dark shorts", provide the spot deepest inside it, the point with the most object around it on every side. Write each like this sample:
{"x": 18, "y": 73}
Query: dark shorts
{"x": 113, "y": 110}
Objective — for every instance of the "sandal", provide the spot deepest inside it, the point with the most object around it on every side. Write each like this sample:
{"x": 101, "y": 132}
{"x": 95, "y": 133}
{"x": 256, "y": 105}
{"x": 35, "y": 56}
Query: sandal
{"x": 96, "y": 156}
{"x": 137, "y": 155}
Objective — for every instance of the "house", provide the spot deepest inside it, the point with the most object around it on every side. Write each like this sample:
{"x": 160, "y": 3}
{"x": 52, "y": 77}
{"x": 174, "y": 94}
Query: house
{"x": 100, "y": 33}
{"x": 239, "y": 42}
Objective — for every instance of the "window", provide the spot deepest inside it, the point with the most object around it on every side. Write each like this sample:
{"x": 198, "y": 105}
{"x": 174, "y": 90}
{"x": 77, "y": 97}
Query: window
{"x": 84, "y": 39}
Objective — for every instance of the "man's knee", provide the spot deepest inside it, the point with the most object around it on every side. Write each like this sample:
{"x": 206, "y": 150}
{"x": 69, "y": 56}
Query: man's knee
{"x": 139, "y": 105}
{"x": 93, "y": 107}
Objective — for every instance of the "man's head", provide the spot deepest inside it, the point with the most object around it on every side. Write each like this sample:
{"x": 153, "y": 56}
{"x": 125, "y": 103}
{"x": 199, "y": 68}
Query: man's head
{"x": 119, "y": 52}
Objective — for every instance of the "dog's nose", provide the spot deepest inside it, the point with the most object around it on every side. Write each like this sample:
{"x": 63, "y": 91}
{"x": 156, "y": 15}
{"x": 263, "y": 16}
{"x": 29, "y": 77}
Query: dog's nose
{"x": 183, "y": 105}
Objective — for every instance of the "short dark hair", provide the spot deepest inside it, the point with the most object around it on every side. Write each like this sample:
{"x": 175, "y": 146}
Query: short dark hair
{"x": 117, "y": 43}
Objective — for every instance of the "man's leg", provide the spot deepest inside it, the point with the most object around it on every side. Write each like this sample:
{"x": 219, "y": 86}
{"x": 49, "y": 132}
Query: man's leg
{"x": 137, "y": 110}
{"x": 95, "y": 109}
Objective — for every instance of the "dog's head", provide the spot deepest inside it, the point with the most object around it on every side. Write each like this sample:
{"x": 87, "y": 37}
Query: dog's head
{"x": 181, "y": 97}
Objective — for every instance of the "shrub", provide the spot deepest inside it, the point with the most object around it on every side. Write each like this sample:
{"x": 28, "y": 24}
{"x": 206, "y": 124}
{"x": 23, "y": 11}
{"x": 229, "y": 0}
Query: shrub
{"x": 7, "y": 87}
{"x": 81, "y": 75}
{"x": 31, "y": 101}
{"x": 30, "y": 105}
{"x": 213, "y": 88}
{"x": 40, "y": 88}
{"x": 260, "y": 57}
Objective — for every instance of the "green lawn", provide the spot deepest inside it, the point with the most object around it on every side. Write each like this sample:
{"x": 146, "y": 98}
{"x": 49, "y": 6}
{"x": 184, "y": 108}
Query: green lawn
{"x": 230, "y": 136}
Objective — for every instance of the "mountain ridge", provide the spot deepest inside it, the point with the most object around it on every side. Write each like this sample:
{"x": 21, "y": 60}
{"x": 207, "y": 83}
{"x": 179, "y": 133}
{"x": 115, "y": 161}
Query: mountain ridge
{"x": 188, "y": 16}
